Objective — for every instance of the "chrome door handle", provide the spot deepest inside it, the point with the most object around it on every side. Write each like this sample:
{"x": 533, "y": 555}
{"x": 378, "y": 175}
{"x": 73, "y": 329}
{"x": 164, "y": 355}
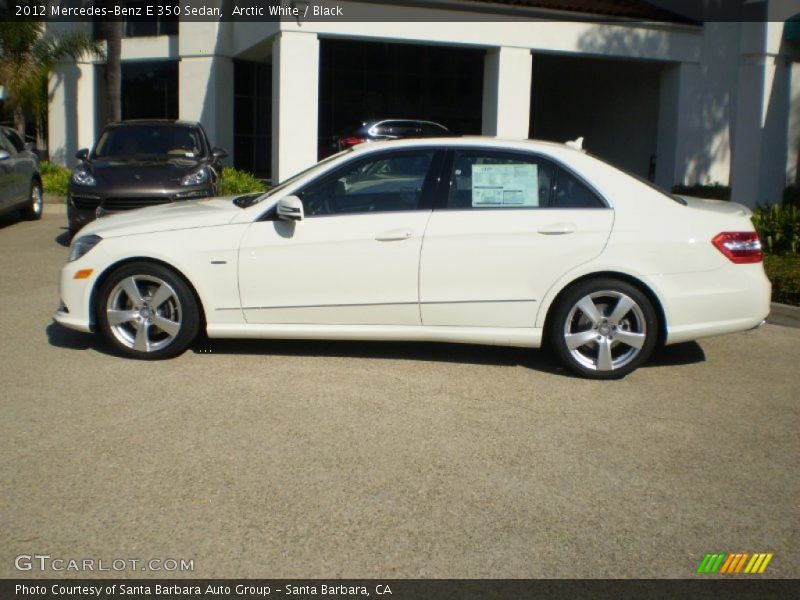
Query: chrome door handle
{"x": 394, "y": 235}
{"x": 557, "y": 229}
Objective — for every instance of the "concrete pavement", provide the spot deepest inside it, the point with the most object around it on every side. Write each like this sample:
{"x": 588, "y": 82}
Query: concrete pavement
{"x": 311, "y": 459}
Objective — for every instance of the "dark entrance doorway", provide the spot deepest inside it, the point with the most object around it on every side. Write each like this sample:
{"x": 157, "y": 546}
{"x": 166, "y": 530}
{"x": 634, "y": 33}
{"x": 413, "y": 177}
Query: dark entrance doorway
{"x": 361, "y": 81}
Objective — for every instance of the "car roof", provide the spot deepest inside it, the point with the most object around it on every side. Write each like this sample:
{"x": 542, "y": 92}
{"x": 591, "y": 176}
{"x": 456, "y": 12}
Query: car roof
{"x": 175, "y": 122}
{"x": 547, "y": 147}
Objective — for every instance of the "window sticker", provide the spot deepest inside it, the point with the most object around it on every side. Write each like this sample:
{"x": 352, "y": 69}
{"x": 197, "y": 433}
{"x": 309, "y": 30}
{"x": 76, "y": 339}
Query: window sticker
{"x": 505, "y": 185}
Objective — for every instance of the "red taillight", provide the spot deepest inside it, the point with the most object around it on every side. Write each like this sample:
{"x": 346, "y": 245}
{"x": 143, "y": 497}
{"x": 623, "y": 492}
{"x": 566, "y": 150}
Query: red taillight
{"x": 352, "y": 141}
{"x": 740, "y": 247}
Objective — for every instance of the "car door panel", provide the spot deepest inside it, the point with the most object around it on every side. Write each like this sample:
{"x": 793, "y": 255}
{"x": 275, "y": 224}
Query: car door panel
{"x": 491, "y": 268}
{"x": 495, "y": 243}
{"x": 333, "y": 270}
{"x": 354, "y": 258}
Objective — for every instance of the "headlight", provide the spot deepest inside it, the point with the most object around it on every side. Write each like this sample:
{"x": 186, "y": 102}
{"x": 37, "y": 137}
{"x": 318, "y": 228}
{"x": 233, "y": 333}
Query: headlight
{"x": 82, "y": 245}
{"x": 196, "y": 178}
{"x": 83, "y": 177}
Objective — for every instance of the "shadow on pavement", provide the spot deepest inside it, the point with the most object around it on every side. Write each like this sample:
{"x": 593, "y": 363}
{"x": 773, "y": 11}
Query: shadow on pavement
{"x": 63, "y": 238}
{"x": 61, "y": 337}
{"x": 538, "y": 360}
{"x": 687, "y": 353}
{"x": 9, "y": 219}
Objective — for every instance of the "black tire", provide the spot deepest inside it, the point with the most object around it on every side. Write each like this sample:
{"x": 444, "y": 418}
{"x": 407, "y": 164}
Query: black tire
{"x": 615, "y": 344}
{"x": 180, "y": 308}
{"x": 35, "y": 207}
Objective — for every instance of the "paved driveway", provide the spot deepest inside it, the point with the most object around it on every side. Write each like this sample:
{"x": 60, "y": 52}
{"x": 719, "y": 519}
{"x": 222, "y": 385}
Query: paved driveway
{"x": 279, "y": 459}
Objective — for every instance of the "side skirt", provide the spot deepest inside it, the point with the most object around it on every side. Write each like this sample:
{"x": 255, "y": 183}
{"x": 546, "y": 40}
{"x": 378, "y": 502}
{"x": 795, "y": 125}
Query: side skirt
{"x": 522, "y": 337}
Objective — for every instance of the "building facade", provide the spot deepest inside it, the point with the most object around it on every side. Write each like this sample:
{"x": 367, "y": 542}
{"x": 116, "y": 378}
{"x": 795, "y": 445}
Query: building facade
{"x": 675, "y": 101}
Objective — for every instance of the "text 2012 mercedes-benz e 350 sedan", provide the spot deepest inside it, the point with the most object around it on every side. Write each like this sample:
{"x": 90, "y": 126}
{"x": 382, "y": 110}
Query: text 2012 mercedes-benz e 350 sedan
{"x": 471, "y": 240}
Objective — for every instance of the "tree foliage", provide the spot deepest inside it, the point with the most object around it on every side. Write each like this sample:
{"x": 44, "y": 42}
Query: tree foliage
{"x": 28, "y": 55}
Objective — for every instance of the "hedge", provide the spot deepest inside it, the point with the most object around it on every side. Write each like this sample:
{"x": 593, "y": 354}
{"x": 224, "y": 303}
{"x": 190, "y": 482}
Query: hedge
{"x": 784, "y": 273}
{"x": 714, "y": 191}
{"x": 55, "y": 179}
{"x": 239, "y": 182}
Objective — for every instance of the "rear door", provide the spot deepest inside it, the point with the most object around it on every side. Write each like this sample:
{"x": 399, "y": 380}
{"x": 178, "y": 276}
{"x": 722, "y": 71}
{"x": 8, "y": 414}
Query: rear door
{"x": 505, "y": 227}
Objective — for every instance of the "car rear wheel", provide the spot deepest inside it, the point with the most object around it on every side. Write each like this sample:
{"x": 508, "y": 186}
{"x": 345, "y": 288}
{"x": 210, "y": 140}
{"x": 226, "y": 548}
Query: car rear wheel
{"x": 33, "y": 211}
{"x": 147, "y": 311}
{"x": 603, "y": 328}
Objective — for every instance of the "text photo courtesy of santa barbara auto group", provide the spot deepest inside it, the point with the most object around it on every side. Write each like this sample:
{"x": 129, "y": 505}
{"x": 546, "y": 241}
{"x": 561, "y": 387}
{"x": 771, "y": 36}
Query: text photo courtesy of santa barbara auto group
{"x": 459, "y": 299}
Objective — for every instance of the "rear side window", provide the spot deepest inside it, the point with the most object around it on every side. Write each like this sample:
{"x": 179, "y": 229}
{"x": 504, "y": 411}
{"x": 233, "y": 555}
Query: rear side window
{"x": 486, "y": 179}
{"x": 572, "y": 193}
{"x": 432, "y": 129}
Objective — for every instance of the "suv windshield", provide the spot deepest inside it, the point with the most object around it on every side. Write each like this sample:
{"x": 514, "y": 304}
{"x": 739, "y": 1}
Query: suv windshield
{"x": 150, "y": 140}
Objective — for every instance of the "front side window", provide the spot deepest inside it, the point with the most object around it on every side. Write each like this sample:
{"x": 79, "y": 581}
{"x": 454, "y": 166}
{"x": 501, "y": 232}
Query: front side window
{"x": 15, "y": 140}
{"x": 388, "y": 183}
{"x": 6, "y": 145}
{"x": 485, "y": 179}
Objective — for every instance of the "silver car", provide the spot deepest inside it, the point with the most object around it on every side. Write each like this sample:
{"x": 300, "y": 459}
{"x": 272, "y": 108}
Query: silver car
{"x": 20, "y": 180}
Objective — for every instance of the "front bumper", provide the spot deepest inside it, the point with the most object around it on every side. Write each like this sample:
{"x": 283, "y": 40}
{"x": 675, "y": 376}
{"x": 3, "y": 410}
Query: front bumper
{"x": 85, "y": 204}
{"x": 74, "y": 311}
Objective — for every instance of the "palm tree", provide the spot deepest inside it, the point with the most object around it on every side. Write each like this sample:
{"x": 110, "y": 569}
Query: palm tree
{"x": 27, "y": 58}
{"x": 113, "y": 33}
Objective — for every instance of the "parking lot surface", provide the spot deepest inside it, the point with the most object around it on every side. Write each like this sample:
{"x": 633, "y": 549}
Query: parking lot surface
{"x": 311, "y": 459}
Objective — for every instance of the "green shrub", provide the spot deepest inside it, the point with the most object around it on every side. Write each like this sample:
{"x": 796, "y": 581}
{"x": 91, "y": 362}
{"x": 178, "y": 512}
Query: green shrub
{"x": 55, "y": 179}
{"x": 779, "y": 228}
{"x": 714, "y": 191}
{"x": 239, "y": 182}
{"x": 784, "y": 273}
{"x": 791, "y": 196}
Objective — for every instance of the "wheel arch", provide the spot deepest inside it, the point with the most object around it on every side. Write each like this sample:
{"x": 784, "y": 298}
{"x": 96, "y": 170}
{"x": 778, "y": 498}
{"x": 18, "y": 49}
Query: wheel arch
{"x": 626, "y": 277}
{"x": 103, "y": 277}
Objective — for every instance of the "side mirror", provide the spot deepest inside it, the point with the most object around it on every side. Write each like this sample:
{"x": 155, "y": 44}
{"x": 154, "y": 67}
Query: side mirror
{"x": 82, "y": 154}
{"x": 219, "y": 153}
{"x": 4, "y": 154}
{"x": 290, "y": 208}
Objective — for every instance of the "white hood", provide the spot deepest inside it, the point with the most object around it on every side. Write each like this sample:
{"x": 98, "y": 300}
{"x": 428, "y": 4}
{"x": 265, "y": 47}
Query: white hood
{"x": 185, "y": 214}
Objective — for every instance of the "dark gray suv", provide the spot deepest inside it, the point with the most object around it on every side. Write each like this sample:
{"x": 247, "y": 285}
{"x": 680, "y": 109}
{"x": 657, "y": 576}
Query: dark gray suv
{"x": 136, "y": 164}
{"x": 20, "y": 180}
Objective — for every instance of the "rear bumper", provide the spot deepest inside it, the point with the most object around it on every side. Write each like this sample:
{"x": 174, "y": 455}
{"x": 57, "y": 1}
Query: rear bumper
{"x": 697, "y": 305}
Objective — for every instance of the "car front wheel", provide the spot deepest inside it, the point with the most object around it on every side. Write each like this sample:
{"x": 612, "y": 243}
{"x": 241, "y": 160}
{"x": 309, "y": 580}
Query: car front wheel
{"x": 147, "y": 311}
{"x": 603, "y": 328}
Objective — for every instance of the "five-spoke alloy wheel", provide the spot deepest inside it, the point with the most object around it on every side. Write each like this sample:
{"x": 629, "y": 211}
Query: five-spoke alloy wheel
{"x": 603, "y": 328}
{"x": 147, "y": 311}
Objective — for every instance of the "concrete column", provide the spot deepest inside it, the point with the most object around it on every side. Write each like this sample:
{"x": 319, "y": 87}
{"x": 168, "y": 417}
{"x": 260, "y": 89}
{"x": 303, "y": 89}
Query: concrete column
{"x": 679, "y": 134}
{"x": 760, "y": 145}
{"x": 507, "y": 76}
{"x": 793, "y": 158}
{"x": 72, "y": 111}
{"x": 205, "y": 94}
{"x": 295, "y": 103}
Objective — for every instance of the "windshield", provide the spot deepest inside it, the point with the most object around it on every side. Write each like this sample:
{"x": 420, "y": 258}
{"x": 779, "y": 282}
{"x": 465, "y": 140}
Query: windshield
{"x": 246, "y": 201}
{"x": 133, "y": 141}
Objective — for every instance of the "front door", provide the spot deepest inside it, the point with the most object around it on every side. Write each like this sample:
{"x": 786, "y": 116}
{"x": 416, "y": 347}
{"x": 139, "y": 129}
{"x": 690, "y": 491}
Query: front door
{"x": 354, "y": 258}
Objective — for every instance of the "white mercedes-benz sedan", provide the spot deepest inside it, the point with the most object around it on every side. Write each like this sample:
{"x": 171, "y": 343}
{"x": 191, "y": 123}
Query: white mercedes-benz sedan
{"x": 473, "y": 240}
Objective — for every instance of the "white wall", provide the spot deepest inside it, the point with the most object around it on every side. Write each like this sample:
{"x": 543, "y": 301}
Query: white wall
{"x": 507, "y": 92}
{"x": 295, "y": 103}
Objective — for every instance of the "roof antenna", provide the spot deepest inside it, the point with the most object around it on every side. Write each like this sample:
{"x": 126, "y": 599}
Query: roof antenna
{"x": 577, "y": 144}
